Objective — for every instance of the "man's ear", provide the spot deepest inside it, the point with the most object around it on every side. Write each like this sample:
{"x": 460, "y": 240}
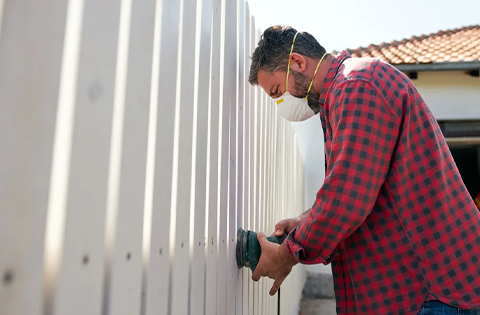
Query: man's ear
{"x": 298, "y": 63}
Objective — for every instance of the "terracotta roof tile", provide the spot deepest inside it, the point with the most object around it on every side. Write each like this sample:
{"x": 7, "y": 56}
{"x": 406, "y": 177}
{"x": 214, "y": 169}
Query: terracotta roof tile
{"x": 459, "y": 44}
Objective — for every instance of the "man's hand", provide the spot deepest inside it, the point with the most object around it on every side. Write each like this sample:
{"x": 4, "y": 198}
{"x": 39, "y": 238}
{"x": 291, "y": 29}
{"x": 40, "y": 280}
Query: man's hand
{"x": 274, "y": 263}
{"x": 286, "y": 225}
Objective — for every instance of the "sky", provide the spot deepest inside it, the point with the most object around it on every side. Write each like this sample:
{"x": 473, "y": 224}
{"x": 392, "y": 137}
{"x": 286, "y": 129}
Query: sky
{"x": 341, "y": 24}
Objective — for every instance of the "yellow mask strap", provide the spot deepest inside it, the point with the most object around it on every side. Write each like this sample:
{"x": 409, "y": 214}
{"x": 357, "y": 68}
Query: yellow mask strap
{"x": 314, "y": 74}
{"x": 288, "y": 69}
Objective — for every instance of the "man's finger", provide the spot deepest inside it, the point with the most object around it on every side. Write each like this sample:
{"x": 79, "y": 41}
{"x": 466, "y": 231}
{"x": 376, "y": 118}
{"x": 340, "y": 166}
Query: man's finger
{"x": 257, "y": 274}
{"x": 276, "y": 285}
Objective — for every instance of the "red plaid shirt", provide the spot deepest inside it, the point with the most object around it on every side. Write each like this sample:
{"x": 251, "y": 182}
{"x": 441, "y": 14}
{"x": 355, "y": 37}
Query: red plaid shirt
{"x": 393, "y": 215}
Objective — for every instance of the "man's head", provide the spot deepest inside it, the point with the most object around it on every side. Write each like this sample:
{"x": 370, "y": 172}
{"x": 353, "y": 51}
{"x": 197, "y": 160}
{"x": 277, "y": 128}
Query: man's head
{"x": 270, "y": 62}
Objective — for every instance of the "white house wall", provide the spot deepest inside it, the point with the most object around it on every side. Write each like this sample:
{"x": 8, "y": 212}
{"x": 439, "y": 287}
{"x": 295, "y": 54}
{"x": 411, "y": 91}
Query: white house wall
{"x": 450, "y": 95}
{"x": 133, "y": 148}
{"x": 310, "y": 142}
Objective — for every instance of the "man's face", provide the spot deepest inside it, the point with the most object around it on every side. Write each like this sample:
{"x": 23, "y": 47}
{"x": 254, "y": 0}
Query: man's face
{"x": 274, "y": 84}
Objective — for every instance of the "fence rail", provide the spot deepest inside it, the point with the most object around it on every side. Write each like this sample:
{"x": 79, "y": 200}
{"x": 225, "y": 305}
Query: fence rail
{"x": 133, "y": 148}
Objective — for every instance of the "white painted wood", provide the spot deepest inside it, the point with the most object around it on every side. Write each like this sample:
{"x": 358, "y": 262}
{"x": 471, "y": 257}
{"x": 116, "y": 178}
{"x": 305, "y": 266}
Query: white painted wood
{"x": 55, "y": 224}
{"x": 261, "y": 192}
{"x": 230, "y": 97}
{"x": 264, "y": 166}
{"x": 180, "y": 227}
{"x": 241, "y": 278}
{"x": 29, "y": 98}
{"x": 269, "y": 225}
{"x": 275, "y": 177}
{"x": 197, "y": 261}
{"x": 213, "y": 175}
{"x": 157, "y": 247}
{"x": 248, "y": 291}
{"x": 252, "y": 193}
{"x": 78, "y": 288}
{"x": 258, "y": 192}
{"x": 124, "y": 228}
{"x": 225, "y": 88}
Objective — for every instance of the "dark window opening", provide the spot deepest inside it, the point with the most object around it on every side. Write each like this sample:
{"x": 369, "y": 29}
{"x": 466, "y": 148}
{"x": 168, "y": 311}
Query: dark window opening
{"x": 467, "y": 161}
{"x": 463, "y": 138}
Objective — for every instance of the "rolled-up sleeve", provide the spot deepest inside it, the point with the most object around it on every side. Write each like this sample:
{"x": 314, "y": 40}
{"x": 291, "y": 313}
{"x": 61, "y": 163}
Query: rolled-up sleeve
{"x": 364, "y": 135}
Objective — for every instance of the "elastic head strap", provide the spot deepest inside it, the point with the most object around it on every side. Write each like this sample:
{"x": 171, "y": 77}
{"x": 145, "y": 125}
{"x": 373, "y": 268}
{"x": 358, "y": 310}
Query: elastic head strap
{"x": 288, "y": 69}
{"x": 315, "y": 73}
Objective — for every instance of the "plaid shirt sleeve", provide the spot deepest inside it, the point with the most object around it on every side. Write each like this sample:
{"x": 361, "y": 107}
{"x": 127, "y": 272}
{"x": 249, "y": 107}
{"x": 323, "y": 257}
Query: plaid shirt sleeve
{"x": 364, "y": 135}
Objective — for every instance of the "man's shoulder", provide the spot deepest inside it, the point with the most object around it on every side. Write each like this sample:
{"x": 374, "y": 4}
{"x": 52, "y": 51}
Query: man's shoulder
{"x": 353, "y": 69}
{"x": 385, "y": 80}
{"x": 368, "y": 70}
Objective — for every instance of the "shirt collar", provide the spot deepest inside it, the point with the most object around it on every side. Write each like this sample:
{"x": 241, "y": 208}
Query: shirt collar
{"x": 331, "y": 74}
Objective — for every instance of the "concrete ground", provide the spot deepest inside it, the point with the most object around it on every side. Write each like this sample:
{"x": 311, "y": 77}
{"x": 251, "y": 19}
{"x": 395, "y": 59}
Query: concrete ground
{"x": 317, "y": 307}
{"x": 318, "y": 295}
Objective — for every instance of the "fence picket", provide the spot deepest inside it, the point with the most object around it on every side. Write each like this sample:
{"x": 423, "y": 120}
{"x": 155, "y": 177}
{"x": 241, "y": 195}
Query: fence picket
{"x": 124, "y": 227}
{"x": 157, "y": 247}
{"x": 29, "y": 86}
{"x": 197, "y": 260}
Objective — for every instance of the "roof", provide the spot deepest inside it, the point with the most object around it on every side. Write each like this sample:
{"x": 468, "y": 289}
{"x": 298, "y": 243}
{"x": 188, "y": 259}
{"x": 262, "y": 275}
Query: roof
{"x": 459, "y": 45}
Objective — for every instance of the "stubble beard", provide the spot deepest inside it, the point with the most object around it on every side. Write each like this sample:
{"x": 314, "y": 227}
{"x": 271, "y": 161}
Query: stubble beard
{"x": 300, "y": 89}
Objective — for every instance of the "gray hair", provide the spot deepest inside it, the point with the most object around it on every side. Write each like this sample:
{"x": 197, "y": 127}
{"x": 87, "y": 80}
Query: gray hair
{"x": 274, "y": 47}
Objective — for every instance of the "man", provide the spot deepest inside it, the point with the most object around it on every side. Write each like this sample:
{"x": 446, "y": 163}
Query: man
{"x": 393, "y": 215}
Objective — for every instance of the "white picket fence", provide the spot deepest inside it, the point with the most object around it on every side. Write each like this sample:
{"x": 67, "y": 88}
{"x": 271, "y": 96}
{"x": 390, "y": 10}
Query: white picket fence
{"x": 132, "y": 148}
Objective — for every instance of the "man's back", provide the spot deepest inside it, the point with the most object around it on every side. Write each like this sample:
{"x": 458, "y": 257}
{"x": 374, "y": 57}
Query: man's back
{"x": 422, "y": 238}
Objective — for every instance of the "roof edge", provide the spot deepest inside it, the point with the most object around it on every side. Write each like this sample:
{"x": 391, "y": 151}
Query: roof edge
{"x": 405, "y": 40}
{"x": 439, "y": 66}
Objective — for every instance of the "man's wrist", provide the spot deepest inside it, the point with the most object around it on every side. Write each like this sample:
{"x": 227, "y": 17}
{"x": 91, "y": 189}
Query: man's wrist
{"x": 287, "y": 256}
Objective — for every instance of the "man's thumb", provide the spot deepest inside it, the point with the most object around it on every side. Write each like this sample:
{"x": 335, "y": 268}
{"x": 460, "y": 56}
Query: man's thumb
{"x": 280, "y": 228}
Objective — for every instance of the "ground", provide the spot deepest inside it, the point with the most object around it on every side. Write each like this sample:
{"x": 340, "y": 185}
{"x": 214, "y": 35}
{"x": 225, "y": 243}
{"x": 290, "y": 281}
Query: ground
{"x": 317, "y": 307}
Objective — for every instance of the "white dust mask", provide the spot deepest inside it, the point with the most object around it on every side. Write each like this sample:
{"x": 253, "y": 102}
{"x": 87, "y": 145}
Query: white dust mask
{"x": 295, "y": 108}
